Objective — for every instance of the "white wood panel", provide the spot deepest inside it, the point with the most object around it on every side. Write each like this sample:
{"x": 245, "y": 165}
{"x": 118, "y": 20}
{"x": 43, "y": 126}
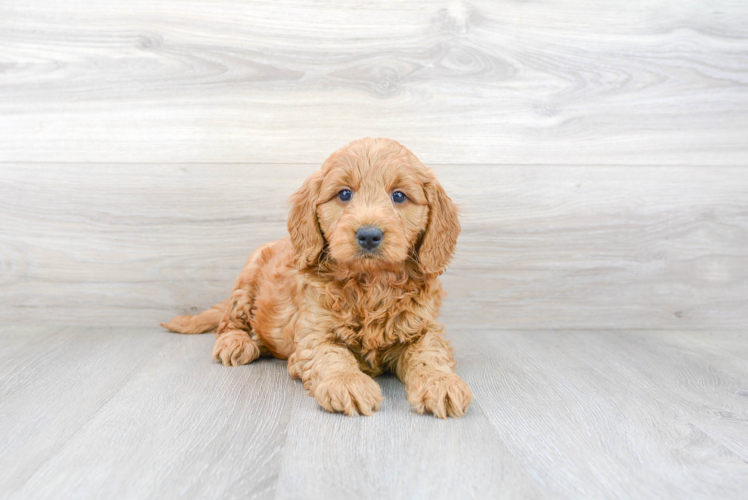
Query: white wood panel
{"x": 483, "y": 81}
{"x": 143, "y": 413}
{"x": 542, "y": 247}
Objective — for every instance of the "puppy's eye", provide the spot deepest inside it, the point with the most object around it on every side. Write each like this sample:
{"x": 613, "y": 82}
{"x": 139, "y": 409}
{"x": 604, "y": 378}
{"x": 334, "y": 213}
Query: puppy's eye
{"x": 345, "y": 195}
{"x": 399, "y": 197}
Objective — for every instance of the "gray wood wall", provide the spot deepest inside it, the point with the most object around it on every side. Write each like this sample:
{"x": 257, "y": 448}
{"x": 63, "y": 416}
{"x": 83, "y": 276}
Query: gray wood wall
{"x": 599, "y": 149}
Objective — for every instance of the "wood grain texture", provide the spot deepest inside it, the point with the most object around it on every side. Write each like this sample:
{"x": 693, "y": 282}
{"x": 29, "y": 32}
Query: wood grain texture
{"x": 142, "y": 413}
{"x": 481, "y": 81}
{"x": 52, "y": 383}
{"x": 398, "y": 454}
{"x": 542, "y": 247}
{"x": 627, "y": 413}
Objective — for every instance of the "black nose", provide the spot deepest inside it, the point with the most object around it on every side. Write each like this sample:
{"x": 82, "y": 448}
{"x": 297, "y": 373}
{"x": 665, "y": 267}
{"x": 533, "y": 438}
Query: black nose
{"x": 369, "y": 237}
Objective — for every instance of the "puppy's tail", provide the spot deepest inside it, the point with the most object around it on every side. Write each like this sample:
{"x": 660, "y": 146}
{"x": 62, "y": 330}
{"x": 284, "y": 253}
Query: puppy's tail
{"x": 205, "y": 322}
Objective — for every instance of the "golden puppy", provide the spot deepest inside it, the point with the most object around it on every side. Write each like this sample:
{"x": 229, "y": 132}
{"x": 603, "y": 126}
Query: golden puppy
{"x": 354, "y": 290}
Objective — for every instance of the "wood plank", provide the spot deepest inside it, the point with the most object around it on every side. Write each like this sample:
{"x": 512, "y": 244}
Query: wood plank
{"x": 55, "y": 385}
{"x": 542, "y": 247}
{"x": 480, "y": 81}
{"x": 16, "y": 338}
{"x": 398, "y": 454}
{"x": 140, "y": 413}
{"x": 707, "y": 380}
{"x": 612, "y": 414}
{"x": 182, "y": 426}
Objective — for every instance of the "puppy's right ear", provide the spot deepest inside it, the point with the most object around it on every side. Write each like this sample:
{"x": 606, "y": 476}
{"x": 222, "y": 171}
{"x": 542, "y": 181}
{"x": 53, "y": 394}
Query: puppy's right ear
{"x": 303, "y": 226}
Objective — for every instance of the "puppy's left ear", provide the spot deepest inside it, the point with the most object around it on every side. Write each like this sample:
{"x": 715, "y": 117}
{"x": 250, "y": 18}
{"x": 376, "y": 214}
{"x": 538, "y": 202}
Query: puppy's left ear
{"x": 440, "y": 238}
{"x": 303, "y": 226}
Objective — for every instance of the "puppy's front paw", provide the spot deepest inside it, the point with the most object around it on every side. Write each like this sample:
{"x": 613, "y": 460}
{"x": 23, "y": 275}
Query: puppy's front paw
{"x": 441, "y": 394}
{"x": 234, "y": 348}
{"x": 351, "y": 393}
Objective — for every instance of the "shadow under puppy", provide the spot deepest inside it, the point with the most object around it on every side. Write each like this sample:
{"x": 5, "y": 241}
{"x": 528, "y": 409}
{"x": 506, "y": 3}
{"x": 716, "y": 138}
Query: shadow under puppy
{"x": 354, "y": 289}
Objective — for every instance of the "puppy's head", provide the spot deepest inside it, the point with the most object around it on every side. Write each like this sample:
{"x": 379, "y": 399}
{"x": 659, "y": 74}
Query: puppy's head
{"x": 373, "y": 205}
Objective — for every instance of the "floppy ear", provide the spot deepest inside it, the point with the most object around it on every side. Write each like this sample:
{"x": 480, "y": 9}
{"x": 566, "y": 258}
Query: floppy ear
{"x": 440, "y": 238}
{"x": 303, "y": 226}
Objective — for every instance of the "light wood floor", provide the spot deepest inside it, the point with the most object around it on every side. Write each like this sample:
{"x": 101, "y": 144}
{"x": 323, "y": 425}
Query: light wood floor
{"x": 141, "y": 413}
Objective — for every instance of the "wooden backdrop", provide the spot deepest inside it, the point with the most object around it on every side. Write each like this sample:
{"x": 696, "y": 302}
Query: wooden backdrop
{"x": 599, "y": 149}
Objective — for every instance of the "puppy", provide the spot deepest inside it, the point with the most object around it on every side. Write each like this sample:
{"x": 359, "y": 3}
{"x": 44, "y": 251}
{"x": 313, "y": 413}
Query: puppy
{"x": 353, "y": 290}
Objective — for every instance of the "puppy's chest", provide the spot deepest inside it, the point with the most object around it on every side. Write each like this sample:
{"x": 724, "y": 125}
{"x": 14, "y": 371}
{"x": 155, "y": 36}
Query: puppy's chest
{"x": 371, "y": 325}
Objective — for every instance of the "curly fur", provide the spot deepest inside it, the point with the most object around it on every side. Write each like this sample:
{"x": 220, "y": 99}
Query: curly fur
{"x": 341, "y": 317}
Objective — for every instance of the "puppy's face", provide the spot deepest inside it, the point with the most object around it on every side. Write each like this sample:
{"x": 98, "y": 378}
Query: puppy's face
{"x": 371, "y": 210}
{"x": 373, "y": 204}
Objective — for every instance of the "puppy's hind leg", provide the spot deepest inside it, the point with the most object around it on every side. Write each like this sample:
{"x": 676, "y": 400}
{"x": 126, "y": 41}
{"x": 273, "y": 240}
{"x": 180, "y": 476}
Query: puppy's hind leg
{"x": 237, "y": 347}
{"x": 237, "y": 344}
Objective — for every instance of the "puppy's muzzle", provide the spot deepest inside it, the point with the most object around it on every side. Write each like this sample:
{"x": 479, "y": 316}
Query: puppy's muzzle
{"x": 369, "y": 237}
